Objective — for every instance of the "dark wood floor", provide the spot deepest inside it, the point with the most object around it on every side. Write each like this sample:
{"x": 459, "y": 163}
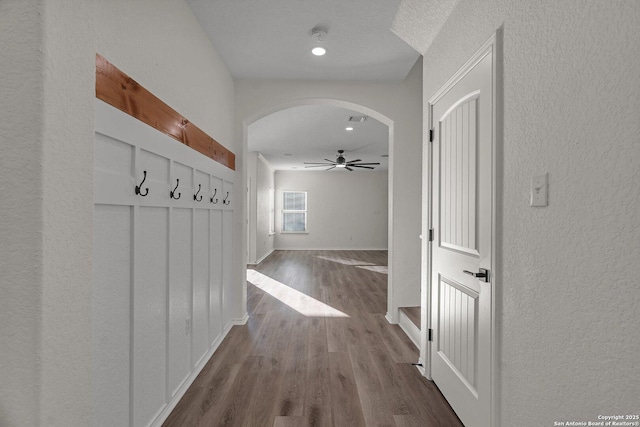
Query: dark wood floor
{"x": 305, "y": 366}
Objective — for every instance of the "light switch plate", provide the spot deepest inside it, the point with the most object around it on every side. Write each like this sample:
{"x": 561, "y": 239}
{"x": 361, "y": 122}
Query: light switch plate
{"x": 539, "y": 190}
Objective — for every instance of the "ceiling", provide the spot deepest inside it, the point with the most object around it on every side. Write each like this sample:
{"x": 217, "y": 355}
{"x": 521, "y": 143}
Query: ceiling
{"x": 271, "y": 39}
{"x": 313, "y": 133}
{"x": 260, "y": 39}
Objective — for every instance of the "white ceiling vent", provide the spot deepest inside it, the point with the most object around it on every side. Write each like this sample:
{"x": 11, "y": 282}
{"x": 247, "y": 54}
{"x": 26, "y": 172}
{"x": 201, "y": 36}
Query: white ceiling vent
{"x": 359, "y": 119}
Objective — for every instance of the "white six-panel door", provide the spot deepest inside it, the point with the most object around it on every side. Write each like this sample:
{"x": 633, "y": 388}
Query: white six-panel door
{"x": 461, "y": 217}
{"x": 162, "y": 268}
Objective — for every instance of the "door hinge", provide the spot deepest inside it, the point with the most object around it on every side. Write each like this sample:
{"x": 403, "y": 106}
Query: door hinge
{"x": 431, "y": 234}
{"x": 430, "y": 135}
{"x": 430, "y": 334}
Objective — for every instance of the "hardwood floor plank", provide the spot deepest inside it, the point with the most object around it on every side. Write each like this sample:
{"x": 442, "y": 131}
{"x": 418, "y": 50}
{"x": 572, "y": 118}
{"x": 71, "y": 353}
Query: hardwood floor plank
{"x": 317, "y": 337}
{"x": 373, "y": 398}
{"x": 288, "y": 422}
{"x": 231, "y": 410}
{"x": 336, "y": 334}
{"x": 289, "y": 401}
{"x": 304, "y": 367}
{"x": 273, "y": 348}
{"x": 345, "y": 392}
{"x": 425, "y": 400}
{"x": 318, "y": 399}
{"x": 254, "y": 297}
{"x": 398, "y": 343}
{"x": 218, "y": 387}
{"x": 406, "y": 421}
{"x": 388, "y": 375}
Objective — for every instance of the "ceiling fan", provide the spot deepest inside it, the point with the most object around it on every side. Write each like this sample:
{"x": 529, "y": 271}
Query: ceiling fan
{"x": 341, "y": 162}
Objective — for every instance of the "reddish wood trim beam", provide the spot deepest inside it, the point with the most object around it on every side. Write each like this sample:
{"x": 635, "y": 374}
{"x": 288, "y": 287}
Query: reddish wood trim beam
{"x": 122, "y": 92}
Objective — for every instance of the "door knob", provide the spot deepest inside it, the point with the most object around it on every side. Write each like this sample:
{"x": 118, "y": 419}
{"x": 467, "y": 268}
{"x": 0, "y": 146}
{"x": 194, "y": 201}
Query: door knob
{"x": 483, "y": 274}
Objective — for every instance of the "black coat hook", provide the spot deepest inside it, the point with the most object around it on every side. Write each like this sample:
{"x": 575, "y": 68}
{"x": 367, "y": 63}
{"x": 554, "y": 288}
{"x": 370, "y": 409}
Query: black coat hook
{"x": 225, "y": 201}
{"x": 215, "y": 190}
{"x": 173, "y": 192}
{"x": 139, "y": 187}
{"x": 195, "y": 196}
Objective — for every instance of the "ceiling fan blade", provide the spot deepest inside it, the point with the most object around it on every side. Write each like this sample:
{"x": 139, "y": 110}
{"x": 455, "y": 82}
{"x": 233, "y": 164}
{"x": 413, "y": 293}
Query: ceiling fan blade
{"x": 318, "y": 166}
{"x": 367, "y": 164}
{"x": 332, "y": 167}
{"x": 353, "y": 161}
{"x": 364, "y": 167}
{"x": 348, "y": 168}
{"x": 318, "y": 163}
{"x": 333, "y": 162}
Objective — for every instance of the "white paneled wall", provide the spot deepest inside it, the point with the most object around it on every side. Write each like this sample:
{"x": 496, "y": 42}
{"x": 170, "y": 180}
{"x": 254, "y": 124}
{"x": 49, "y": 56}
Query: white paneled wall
{"x": 163, "y": 268}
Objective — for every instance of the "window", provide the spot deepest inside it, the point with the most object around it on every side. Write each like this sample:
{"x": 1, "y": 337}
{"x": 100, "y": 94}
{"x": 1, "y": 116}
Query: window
{"x": 294, "y": 211}
{"x": 272, "y": 211}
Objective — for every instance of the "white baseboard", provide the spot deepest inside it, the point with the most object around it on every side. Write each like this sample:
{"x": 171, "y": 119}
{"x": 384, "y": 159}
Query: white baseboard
{"x": 227, "y": 328}
{"x": 239, "y": 322}
{"x": 390, "y": 318}
{"x": 409, "y": 328}
{"x": 420, "y": 367}
{"x": 262, "y": 258}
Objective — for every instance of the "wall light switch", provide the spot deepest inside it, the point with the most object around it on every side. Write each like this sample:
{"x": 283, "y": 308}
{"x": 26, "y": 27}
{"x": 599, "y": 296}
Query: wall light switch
{"x": 539, "y": 187}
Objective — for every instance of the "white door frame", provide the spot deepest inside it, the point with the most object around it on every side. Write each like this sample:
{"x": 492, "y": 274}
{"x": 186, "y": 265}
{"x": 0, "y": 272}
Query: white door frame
{"x": 495, "y": 44}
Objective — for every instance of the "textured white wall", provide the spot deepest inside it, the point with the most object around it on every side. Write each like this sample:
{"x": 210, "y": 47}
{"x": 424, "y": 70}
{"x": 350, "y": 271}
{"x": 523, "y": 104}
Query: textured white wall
{"x": 69, "y": 77}
{"x": 46, "y": 81}
{"x": 21, "y": 258}
{"x": 344, "y": 210}
{"x": 568, "y": 291}
{"x": 265, "y": 181}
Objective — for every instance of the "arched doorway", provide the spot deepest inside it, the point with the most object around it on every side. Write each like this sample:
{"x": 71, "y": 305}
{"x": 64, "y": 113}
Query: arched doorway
{"x": 344, "y": 107}
{"x": 397, "y": 105}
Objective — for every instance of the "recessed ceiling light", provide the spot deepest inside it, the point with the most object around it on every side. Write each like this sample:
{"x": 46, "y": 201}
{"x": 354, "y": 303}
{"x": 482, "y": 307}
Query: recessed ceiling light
{"x": 318, "y": 35}
{"x": 318, "y": 51}
{"x": 348, "y": 128}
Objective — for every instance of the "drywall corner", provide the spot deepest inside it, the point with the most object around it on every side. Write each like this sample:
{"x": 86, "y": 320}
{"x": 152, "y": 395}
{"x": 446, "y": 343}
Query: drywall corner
{"x": 21, "y": 227}
{"x": 69, "y": 81}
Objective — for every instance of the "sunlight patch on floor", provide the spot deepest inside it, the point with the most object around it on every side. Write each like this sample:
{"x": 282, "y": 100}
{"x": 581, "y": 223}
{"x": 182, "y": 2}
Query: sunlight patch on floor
{"x": 300, "y": 302}
{"x": 375, "y": 268}
{"x": 345, "y": 261}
